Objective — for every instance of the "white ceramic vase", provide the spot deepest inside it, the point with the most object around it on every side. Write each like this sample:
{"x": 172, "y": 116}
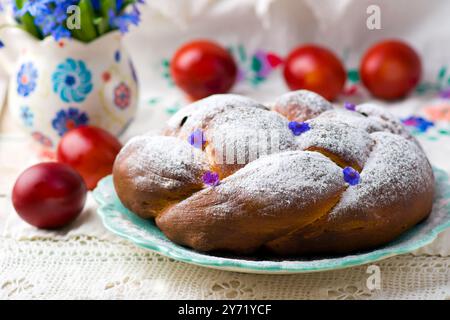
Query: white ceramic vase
{"x": 55, "y": 86}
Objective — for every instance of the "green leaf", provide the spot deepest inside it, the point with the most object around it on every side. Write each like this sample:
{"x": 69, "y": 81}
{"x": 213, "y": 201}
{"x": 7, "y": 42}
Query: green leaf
{"x": 19, "y": 3}
{"x": 173, "y": 109}
{"x": 421, "y": 88}
{"x": 242, "y": 53}
{"x": 102, "y": 25}
{"x": 353, "y": 75}
{"x": 256, "y": 64}
{"x": 166, "y": 63}
{"x": 424, "y": 87}
{"x": 256, "y": 81}
{"x": 442, "y": 73}
{"x": 27, "y": 21}
{"x": 87, "y": 31}
{"x": 153, "y": 101}
{"x": 105, "y": 6}
{"x": 28, "y": 24}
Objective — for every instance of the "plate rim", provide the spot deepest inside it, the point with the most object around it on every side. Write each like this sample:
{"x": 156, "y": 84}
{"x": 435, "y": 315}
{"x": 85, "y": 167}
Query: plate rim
{"x": 248, "y": 266}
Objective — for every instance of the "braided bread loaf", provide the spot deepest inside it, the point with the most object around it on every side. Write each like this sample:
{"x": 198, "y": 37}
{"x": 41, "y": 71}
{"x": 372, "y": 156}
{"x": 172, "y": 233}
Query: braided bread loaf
{"x": 229, "y": 174}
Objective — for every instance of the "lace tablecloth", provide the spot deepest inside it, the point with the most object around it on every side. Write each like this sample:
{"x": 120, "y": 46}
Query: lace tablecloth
{"x": 84, "y": 267}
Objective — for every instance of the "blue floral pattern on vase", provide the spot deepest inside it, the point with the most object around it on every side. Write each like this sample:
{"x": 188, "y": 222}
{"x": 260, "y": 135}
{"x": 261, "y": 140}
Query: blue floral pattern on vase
{"x": 72, "y": 81}
{"x": 66, "y": 120}
{"x": 27, "y": 116}
{"x": 26, "y": 79}
{"x": 117, "y": 56}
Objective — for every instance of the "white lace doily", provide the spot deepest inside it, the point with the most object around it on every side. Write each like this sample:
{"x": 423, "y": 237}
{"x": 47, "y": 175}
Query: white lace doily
{"x": 85, "y": 267}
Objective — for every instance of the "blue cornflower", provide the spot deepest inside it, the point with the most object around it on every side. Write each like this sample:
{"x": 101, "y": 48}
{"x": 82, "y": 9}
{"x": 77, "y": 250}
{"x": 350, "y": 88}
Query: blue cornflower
{"x": 197, "y": 139}
{"x": 36, "y": 7}
{"x": 211, "y": 178}
{"x": 61, "y": 8}
{"x": 96, "y": 4}
{"x": 15, "y": 10}
{"x": 298, "y": 128}
{"x": 350, "y": 106}
{"x": 119, "y": 4}
{"x": 351, "y": 176}
{"x": 52, "y": 23}
{"x": 60, "y": 32}
{"x": 122, "y": 21}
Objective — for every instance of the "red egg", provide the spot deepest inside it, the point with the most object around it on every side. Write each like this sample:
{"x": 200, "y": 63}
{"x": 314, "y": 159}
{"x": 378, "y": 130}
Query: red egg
{"x": 89, "y": 150}
{"x": 316, "y": 69}
{"x": 49, "y": 195}
{"x": 390, "y": 69}
{"x": 202, "y": 68}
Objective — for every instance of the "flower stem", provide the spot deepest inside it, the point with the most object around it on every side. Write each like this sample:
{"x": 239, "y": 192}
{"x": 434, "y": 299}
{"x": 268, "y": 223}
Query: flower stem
{"x": 27, "y": 21}
{"x": 87, "y": 31}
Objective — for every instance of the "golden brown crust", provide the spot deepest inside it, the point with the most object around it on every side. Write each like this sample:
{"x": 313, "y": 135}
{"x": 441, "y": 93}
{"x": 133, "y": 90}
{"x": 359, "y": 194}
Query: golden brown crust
{"x": 345, "y": 234}
{"x": 289, "y": 201}
{"x": 142, "y": 183}
{"x": 379, "y": 209}
{"x": 254, "y": 206}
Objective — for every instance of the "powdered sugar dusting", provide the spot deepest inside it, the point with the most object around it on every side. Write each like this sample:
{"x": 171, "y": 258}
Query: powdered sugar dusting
{"x": 248, "y": 133}
{"x": 397, "y": 169}
{"x": 197, "y": 114}
{"x": 301, "y": 105}
{"x": 369, "y": 117}
{"x": 280, "y": 179}
{"x": 385, "y": 119}
{"x": 348, "y": 142}
{"x": 352, "y": 118}
{"x": 162, "y": 162}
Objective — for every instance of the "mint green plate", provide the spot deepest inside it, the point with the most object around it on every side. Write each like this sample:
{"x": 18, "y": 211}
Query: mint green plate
{"x": 144, "y": 233}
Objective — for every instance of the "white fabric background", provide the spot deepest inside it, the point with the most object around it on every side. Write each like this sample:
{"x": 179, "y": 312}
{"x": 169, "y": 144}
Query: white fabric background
{"x": 280, "y": 25}
{"x": 35, "y": 263}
